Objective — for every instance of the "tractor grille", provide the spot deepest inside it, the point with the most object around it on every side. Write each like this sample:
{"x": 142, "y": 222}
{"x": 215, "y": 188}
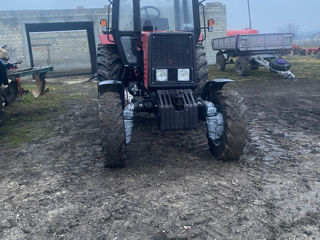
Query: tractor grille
{"x": 172, "y": 50}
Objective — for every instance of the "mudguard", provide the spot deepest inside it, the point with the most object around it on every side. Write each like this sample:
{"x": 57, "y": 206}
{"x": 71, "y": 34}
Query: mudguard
{"x": 111, "y": 86}
{"x": 213, "y": 86}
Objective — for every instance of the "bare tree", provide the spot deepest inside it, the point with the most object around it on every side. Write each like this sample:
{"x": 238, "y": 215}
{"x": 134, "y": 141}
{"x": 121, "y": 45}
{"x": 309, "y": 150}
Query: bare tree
{"x": 290, "y": 28}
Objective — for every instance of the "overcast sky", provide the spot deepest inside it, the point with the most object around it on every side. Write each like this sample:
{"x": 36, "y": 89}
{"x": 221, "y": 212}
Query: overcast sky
{"x": 267, "y": 15}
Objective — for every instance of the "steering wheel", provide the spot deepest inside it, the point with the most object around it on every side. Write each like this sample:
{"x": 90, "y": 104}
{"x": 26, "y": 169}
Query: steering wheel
{"x": 157, "y": 11}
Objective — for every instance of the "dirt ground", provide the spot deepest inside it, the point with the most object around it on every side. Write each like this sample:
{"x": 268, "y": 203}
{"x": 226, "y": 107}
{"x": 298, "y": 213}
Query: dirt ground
{"x": 55, "y": 186}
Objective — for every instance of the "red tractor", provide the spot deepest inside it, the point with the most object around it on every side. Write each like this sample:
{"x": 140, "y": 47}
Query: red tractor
{"x": 151, "y": 59}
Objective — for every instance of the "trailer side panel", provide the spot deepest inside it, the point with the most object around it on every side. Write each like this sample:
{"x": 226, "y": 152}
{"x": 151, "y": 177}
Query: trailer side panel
{"x": 255, "y": 42}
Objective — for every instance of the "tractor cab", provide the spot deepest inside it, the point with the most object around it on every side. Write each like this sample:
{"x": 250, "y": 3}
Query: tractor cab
{"x": 155, "y": 15}
{"x": 132, "y": 20}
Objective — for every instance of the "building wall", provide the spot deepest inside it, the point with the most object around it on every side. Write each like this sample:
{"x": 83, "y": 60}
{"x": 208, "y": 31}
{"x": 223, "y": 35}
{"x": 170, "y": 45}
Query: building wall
{"x": 218, "y": 12}
{"x": 13, "y": 33}
{"x": 67, "y": 51}
{"x": 57, "y": 48}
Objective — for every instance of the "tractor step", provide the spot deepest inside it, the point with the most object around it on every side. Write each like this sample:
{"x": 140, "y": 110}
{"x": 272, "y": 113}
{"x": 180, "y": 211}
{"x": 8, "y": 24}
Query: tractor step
{"x": 178, "y": 109}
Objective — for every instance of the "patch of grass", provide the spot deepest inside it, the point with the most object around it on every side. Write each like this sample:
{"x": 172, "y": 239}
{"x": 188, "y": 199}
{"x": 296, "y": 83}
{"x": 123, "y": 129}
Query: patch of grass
{"x": 303, "y": 67}
{"x": 26, "y": 118}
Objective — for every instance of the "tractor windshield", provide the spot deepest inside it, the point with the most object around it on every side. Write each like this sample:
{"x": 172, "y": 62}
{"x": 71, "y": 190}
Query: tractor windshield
{"x": 161, "y": 15}
{"x": 165, "y": 15}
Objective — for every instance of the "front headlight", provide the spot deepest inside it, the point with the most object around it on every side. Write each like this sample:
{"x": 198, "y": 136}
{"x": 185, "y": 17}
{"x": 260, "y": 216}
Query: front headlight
{"x": 183, "y": 75}
{"x": 162, "y": 75}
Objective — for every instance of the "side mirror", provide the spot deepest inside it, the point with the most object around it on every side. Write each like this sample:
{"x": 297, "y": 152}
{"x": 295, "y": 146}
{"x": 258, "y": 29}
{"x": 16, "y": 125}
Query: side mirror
{"x": 211, "y": 25}
{"x": 103, "y": 22}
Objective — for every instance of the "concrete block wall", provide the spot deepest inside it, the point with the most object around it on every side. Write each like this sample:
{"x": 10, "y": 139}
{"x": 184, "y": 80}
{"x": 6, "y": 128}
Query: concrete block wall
{"x": 13, "y": 34}
{"x": 65, "y": 50}
{"x": 218, "y": 12}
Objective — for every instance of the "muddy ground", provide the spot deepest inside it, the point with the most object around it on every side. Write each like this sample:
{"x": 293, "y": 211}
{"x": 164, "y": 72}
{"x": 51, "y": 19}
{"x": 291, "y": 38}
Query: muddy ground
{"x": 55, "y": 186}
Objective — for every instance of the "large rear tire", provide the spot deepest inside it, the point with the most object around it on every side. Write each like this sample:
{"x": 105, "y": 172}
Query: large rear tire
{"x": 233, "y": 140}
{"x": 110, "y": 108}
{"x": 109, "y": 63}
{"x": 201, "y": 65}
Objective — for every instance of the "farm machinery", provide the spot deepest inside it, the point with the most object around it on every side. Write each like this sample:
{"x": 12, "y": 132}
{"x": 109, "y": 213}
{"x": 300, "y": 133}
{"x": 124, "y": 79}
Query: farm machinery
{"x": 151, "y": 59}
{"x": 253, "y": 51}
{"x": 10, "y": 78}
{"x": 298, "y": 50}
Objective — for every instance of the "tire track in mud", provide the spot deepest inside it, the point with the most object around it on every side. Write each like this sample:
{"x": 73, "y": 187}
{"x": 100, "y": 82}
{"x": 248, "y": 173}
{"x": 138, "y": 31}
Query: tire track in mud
{"x": 57, "y": 188}
{"x": 286, "y": 147}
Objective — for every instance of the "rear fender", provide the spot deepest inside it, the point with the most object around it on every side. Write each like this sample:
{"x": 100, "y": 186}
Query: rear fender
{"x": 213, "y": 86}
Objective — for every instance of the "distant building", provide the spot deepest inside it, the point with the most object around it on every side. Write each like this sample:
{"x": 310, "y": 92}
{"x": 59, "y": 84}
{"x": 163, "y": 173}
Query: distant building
{"x": 316, "y": 37}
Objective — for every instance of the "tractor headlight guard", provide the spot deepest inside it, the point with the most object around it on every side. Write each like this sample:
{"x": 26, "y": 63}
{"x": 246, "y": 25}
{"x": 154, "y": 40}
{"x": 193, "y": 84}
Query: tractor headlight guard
{"x": 162, "y": 75}
{"x": 183, "y": 75}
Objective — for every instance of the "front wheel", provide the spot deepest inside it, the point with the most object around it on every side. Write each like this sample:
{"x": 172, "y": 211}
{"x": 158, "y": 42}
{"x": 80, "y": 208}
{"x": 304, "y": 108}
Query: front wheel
{"x": 231, "y": 144}
{"x": 112, "y": 130}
